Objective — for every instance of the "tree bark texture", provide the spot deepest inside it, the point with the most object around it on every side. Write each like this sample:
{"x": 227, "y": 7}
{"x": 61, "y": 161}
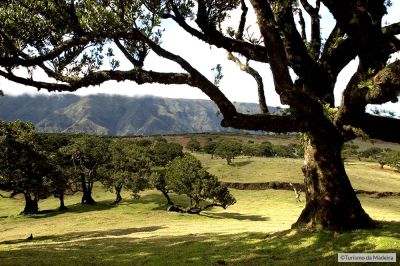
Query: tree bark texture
{"x": 31, "y": 205}
{"x": 331, "y": 202}
{"x": 87, "y": 191}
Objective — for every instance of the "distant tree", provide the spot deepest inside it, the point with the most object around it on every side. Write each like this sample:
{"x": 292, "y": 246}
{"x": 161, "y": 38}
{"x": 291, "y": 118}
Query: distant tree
{"x": 228, "y": 150}
{"x": 210, "y": 147}
{"x": 373, "y": 152}
{"x": 160, "y": 139}
{"x": 266, "y": 149}
{"x": 24, "y": 166}
{"x": 162, "y": 152}
{"x": 350, "y": 150}
{"x": 186, "y": 176}
{"x": 193, "y": 145}
{"x": 382, "y": 162}
{"x": 87, "y": 155}
{"x": 284, "y": 151}
{"x": 252, "y": 149}
{"x": 129, "y": 168}
{"x": 143, "y": 142}
{"x": 392, "y": 158}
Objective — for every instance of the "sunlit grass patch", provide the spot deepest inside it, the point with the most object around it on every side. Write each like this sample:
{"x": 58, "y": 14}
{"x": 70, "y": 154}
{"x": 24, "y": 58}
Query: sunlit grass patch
{"x": 254, "y": 231}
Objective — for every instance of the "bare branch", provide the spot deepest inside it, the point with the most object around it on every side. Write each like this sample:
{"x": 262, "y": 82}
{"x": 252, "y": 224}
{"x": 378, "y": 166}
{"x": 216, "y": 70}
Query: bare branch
{"x": 134, "y": 62}
{"x": 57, "y": 51}
{"x": 257, "y": 77}
{"x": 242, "y": 24}
{"x": 303, "y": 26}
{"x": 212, "y": 36}
{"x": 315, "y": 43}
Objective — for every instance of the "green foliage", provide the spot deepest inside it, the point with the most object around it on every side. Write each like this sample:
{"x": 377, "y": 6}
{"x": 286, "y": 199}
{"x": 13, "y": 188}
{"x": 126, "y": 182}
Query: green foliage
{"x": 349, "y": 150}
{"x": 24, "y": 166}
{"x": 87, "y": 155}
{"x": 193, "y": 145}
{"x": 372, "y": 152}
{"x": 228, "y": 149}
{"x": 392, "y": 158}
{"x": 252, "y": 149}
{"x": 210, "y": 147}
{"x": 267, "y": 149}
{"x": 129, "y": 167}
{"x": 186, "y": 176}
{"x": 330, "y": 112}
{"x": 287, "y": 151}
{"x": 217, "y": 72}
{"x": 163, "y": 152}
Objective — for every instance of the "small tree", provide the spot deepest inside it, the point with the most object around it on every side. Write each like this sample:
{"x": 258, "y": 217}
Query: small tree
{"x": 252, "y": 149}
{"x": 210, "y": 147}
{"x": 228, "y": 149}
{"x": 87, "y": 155}
{"x": 129, "y": 168}
{"x": 193, "y": 145}
{"x": 373, "y": 152}
{"x": 186, "y": 176}
{"x": 285, "y": 151}
{"x": 266, "y": 149}
{"x": 393, "y": 159}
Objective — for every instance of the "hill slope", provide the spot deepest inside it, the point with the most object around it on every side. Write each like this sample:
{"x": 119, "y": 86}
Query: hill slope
{"x": 116, "y": 115}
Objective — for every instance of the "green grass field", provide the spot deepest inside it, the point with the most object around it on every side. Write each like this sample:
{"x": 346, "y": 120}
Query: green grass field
{"x": 254, "y": 231}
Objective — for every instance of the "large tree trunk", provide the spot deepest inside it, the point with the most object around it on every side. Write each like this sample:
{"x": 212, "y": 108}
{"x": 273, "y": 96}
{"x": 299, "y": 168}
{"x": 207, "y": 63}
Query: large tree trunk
{"x": 331, "y": 202}
{"x": 31, "y": 205}
{"x": 87, "y": 197}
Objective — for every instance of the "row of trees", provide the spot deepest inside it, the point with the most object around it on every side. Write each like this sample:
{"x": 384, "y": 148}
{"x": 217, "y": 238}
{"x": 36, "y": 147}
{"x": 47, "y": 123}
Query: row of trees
{"x": 41, "y": 165}
{"x": 229, "y": 149}
{"x": 384, "y": 156}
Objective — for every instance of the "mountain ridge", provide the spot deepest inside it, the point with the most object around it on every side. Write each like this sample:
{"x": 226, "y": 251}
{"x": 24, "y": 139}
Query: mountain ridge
{"x": 104, "y": 114}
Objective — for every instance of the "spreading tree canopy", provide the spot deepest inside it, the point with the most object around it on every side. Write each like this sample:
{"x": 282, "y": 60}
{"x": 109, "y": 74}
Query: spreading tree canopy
{"x": 24, "y": 166}
{"x": 129, "y": 168}
{"x": 70, "y": 40}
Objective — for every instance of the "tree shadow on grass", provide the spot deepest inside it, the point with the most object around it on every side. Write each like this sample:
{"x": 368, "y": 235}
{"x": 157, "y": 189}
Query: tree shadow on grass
{"x": 290, "y": 247}
{"x": 101, "y": 205}
{"x": 240, "y": 164}
{"x": 75, "y": 236}
{"x": 75, "y": 208}
{"x": 235, "y": 215}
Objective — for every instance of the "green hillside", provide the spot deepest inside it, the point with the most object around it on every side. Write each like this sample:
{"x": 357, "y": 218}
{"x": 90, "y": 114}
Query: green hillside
{"x": 116, "y": 115}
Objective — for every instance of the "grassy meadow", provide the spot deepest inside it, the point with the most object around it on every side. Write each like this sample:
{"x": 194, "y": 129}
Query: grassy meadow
{"x": 254, "y": 231}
